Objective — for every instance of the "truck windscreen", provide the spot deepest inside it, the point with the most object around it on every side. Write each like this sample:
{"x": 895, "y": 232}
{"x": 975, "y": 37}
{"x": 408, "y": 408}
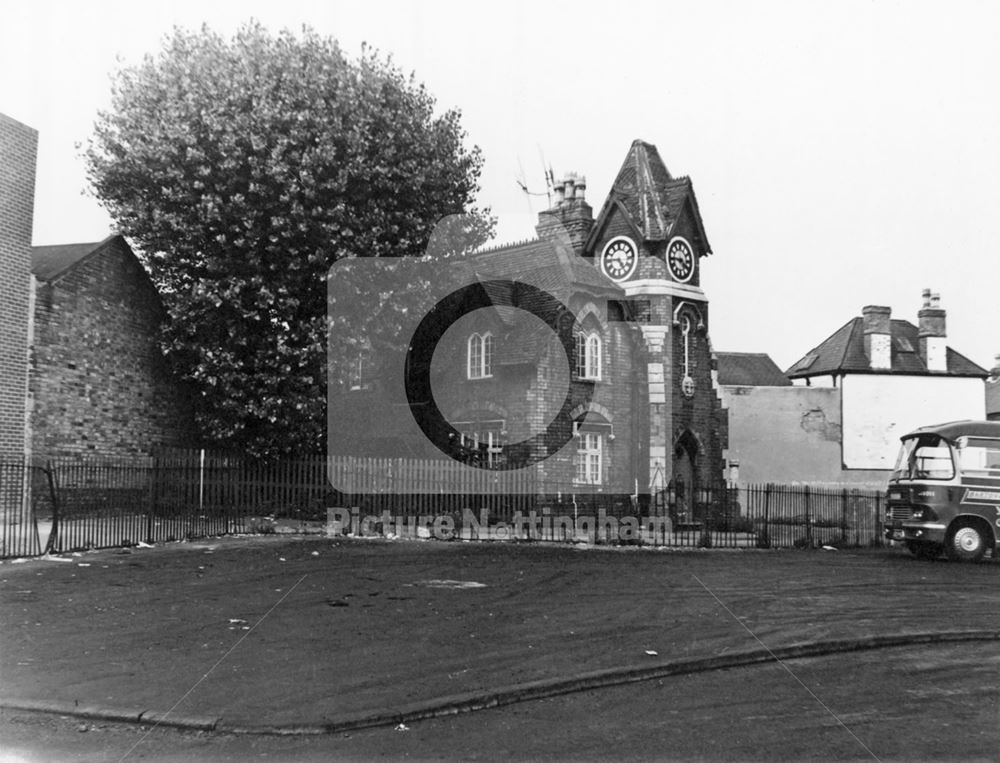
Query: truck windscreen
{"x": 926, "y": 457}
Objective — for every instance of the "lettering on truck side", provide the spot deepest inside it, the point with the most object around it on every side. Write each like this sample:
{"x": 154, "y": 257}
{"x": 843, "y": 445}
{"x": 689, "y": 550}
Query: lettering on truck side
{"x": 981, "y": 496}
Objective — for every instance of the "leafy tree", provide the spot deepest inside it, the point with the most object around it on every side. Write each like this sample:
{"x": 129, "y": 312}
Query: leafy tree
{"x": 243, "y": 169}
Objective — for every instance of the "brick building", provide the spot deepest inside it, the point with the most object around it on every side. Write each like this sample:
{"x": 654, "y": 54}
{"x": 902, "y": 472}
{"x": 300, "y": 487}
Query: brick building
{"x": 18, "y": 151}
{"x": 99, "y": 383}
{"x": 643, "y": 407}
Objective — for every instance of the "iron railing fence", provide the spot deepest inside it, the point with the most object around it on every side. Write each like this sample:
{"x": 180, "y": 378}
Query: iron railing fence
{"x": 20, "y": 534}
{"x": 70, "y": 504}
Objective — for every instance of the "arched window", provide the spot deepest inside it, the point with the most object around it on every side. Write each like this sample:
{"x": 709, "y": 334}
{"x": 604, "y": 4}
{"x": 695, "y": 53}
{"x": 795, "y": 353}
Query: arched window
{"x": 588, "y": 355}
{"x": 480, "y": 356}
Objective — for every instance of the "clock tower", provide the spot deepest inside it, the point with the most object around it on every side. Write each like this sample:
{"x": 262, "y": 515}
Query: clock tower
{"x": 649, "y": 239}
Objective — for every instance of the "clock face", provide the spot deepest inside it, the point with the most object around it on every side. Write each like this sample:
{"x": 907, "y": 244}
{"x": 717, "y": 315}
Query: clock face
{"x": 619, "y": 259}
{"x": 680, "y": 259}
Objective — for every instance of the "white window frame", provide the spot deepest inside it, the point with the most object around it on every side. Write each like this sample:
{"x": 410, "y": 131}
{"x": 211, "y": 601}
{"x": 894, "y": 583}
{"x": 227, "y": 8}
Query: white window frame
{"x": 489, "y": 433}
{"x": 479, "y": 356}
{"x": 590, "y": 458}
{"x": 588, "y": 355}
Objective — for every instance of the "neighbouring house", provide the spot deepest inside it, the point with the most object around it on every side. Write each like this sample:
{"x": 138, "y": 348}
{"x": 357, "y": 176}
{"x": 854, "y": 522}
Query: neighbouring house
{"x": 993, "y": 392}
{"x": 778, "y": 433}
{"x": 867, "y": 384}
{"x": 643, "y": 407}
{"x": 18, "y": 153}
{"x": 755, "y": 393}
{"x": 750, "y": 369}
{"x": 99, "y": 384}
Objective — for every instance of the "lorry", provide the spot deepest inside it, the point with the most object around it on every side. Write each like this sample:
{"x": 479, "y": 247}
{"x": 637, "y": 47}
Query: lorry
{"x": 944, "y": 493}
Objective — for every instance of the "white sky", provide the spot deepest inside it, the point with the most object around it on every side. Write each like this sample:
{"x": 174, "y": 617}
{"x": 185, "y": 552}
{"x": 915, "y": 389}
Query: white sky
{"x": 843, "y": 153}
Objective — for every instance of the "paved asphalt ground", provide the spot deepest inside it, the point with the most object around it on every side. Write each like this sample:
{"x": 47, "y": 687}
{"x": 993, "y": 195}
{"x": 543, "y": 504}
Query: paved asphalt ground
{"x": 306, "y": 634}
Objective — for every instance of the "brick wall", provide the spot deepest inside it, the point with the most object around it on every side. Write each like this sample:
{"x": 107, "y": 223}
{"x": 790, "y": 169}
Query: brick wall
{"x": 99, "y": 381}
{"x": 18, "y": 152}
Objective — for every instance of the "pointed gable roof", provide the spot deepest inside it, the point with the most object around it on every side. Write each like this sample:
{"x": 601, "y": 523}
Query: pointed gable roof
{"x": 844, "y": 352}
{"x": 649, "y": 197}
{"x": 50, "y": 262}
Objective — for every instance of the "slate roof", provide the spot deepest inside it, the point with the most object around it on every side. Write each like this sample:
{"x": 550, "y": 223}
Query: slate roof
{"x": 650, "y": 196}
{"x": 750, "y": 369}
{"x": 844, "y": 352}
{"x": 551, "y": 267}
{"x": 50, "y": 262}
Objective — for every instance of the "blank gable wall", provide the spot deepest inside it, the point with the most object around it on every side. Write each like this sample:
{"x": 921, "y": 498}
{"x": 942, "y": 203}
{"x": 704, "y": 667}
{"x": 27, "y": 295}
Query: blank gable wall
{"x": 99, "y": 381}
{"x": 879, "y": 409}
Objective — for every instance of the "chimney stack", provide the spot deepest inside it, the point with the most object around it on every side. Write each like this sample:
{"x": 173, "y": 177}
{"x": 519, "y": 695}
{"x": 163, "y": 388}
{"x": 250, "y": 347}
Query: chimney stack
{"x": 932, "y": 334}
{"x": 878, "y": 336}
{"x": 569, "y": 211}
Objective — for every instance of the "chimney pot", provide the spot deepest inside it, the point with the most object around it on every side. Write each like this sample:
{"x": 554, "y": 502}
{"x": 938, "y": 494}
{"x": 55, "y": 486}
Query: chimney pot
{"x": 876, "y": 319}
{"x": 570, "y": 214}
{"x": 570, "y": 183}
{"x": 932, "y": 323}
{"x": 558, "y": 190}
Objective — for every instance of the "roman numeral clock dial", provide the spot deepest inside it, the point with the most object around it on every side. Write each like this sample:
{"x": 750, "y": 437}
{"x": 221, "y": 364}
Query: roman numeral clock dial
{"x": 619, "y": 259}
{"x": 680, "y": 259}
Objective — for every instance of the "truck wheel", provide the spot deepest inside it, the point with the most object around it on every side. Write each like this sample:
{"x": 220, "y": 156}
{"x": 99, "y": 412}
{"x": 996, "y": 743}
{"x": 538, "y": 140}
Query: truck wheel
{"x": 925, "y": 551}
{"x": 966, "y": 543}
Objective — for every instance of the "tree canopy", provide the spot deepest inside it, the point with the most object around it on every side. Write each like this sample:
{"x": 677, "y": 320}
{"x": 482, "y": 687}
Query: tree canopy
{"x": 243, "y": 169}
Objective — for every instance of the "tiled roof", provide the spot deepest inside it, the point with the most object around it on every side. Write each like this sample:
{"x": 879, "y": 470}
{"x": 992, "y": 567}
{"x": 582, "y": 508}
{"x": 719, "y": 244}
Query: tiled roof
{"x": 554, "y": 269}
{"x": 750, "y": 369}
{"x": 551, "y": 267}
{"x": 50, "y": 262}
{"x": 650, "y": 196}
{"x": 844, "y": 352}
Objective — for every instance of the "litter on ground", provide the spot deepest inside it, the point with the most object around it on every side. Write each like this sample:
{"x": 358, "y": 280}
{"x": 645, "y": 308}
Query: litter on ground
{"x": 450, "y": 584}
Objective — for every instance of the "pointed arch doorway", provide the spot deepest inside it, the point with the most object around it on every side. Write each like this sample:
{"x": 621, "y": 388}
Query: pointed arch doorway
{"x": 685, "y": 470}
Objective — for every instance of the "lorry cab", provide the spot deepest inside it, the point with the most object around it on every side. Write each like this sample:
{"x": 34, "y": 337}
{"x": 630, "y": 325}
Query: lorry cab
{"x": 944, "y": 493}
